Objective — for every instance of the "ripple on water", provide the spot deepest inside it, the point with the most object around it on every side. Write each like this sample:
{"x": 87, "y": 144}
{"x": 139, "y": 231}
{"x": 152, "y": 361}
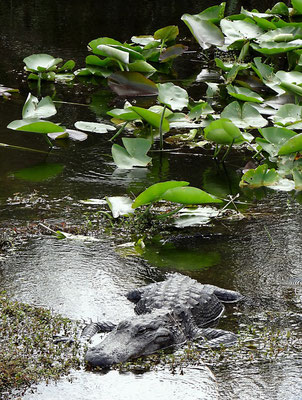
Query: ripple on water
{"x": 196, "y": 384}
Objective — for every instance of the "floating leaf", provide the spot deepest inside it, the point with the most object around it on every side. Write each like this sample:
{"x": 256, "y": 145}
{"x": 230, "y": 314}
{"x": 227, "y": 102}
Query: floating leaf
{"x": 6, "y": 92}
{"x": 34, "y": 109}
{"x": 244, "y": 94}
{"x": 188, "y": 195}
{"x": 112, "y": 52}
{"x": 144, "y": 40}
{"x": 101, "y": 41}
{"x": 173, "y": 96}
{"x": 94, "y": 127}
{"x": 245, "y": 116}
{"x": 132, "y": 84}
{"x": 39, "y": 173}
{"x": 224, "y": 132}
{"x": 141, "y": 66}
{"x": 69, "y": 134}
{"x": 153, "y": 193}
{"x": 35, "y": 125}
{"x": 134, "y": 153}
{"x": 239, "y": 30}
{"x": 151, "y": 118}
{"x": 41, "y": 62}
{"x": 261, "y": 176}
{"x": 285, "y": 34}
{"x": 167, "y": 33}
{"x": 270, "y": 48}
{"x": 288, "y": 114}
{"x": 293, "y": 145}
{"x": 205, "y": 32}
{"x": 123, "y": 113}
{"x": 274, "y": 139}
{"x": 120, "y": 205}
{"x": 297, "y": 4}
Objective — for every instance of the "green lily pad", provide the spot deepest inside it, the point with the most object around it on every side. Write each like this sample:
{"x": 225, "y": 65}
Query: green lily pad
{"x": 167, "y": 33}
{"x": 94, "y": 127}
{"x": 244, "y": 116}
{"x": 123, "y": 113}
{"x": 97, "y": 61}
{"x": 35, "y": 125}
{"x": 33, "y": 108}
{"x": 297, "y": 4}
{"x": 270, "y": 48}
{"x": 261, "y": 176}
{"x": 143, "y": 40}
{"x": 285, "y": 34}
{"x": 288, "y": 114}
{"x": 41, "y": 62}
{"x": 244, "y": 94}
{"x": 293, "y": 145}
{"x": 188, "y": 195}
{"x": 112, "y": 52}
{"x": 239, "y": 30}
{"x": 154, "y": 193}
{"x": 205, "y": 32}
{"x": 134, "y": 153}
{"x": 141, "y": 66}
{"x": 224, "y": 132}
{"x": 152, "y": 118}
{"x": 101, "y": 41}
{"x": 173, "y": 96}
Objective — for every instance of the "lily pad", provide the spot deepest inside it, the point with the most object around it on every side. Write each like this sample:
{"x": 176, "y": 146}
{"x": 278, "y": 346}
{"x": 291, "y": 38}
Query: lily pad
{"x": 94, "y": 127}
{"x": 224, "y": 132}
{"x": 261, "y": 176}
{"x": 167, "y": 33}
{"x": 293, "y": 145}
{"x": 173, "y": 96}
{"x": 35, "y": 125}
{"x": 205, "y": 32}
{"x": 239, "y": 30}
{"x": 188, "y": 195}
{"x": 154, "y": 193}
{"x": 120, "y": 205}
{"x": 245, "y": 116}
{"x": 152, "y": 118}
{"x": 132, "y": 84}
{"x": 244, "y": 94}
{"x": 33, "y": 108}
{"x": 41, "y": 62}
{"x": 133, "y": 154}
{"x": 288, "y": 114}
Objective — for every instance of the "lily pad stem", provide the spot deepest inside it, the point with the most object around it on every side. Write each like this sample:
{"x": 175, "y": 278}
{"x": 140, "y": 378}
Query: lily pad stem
{"x": 147, "y": 210}
{"x": 217, "y": 150}
{"x": 227, "y": 152}
{"x": 120, "y": 65}
{"x": 48, "y": 142}
{"x": 39, "y": 84}
{"x": 161, "y": 144}
{"x": 119, "y": 131}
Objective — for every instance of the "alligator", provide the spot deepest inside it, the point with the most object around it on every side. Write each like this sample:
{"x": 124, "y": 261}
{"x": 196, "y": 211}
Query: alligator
{"x": 171, "y": 312}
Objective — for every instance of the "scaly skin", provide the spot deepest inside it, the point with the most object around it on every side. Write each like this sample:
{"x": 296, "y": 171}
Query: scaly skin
{"x": 169, "y": 313}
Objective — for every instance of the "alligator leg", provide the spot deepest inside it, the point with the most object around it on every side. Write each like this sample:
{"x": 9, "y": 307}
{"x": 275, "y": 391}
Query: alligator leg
{"x": 216, "y": 337}
{"x": 226, "y": 296}
{"x": 96, "y": 327}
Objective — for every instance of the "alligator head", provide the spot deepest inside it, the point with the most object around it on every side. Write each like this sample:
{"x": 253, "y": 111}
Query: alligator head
{"x": 136, "y": 337}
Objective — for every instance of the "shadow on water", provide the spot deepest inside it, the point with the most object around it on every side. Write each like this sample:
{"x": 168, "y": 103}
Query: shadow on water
{"x": 257, "y": 256}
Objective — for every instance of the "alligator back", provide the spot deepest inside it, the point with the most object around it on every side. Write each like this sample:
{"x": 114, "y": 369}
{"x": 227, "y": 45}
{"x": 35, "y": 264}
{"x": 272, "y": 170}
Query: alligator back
{"x": 181, "y": 292}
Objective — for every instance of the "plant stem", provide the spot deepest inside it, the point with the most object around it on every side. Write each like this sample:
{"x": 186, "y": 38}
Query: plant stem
{"x": 217, "y": 150}
{"x": 39, "y": 84}
{"x": 144, "y": 213}
{"x": 161, "y": 144}
{"x": 48, "y": 141}
{"x": 22, "y": 148}
{"x": 227, "y": 152}
{"x": 119, "y": 131}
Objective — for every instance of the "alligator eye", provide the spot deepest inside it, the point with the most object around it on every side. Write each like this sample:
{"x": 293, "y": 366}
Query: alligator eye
{"x": 141, "y": 331}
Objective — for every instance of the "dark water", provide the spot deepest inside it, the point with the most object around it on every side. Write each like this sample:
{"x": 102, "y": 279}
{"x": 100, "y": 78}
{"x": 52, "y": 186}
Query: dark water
{"x": 260, "y": 255}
